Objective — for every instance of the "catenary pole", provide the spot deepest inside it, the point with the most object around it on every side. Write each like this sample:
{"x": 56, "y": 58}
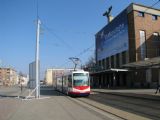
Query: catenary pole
{"x": 37, "y": 60}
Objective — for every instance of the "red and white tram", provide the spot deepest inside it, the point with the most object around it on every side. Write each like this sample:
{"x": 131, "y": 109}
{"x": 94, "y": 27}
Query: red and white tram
{"x": 74, "y": 83}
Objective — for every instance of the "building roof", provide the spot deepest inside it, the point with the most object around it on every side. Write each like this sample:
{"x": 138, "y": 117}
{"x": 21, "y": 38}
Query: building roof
{"x": 136, "y": 7}
{"x": 7, "y": 68}
{"x": 59, "y": 69}
{"x": 147, "y": 63}
{"x": 142, "y": 8}
{"x": 109, "y": 70}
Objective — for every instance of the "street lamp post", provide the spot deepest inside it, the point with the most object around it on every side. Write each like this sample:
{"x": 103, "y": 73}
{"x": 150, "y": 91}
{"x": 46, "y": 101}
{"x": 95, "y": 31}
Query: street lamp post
{"x": 37, "y": 60}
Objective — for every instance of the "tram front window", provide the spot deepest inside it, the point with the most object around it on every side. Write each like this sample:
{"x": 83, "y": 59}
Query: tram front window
{"x": 80, "y": 79}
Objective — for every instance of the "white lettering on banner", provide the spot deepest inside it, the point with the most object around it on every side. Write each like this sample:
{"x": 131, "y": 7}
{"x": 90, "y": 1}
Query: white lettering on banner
{"x": 114, "y": 32}
{"x": 113, "y": 38}
{"x": 113, "y": 42}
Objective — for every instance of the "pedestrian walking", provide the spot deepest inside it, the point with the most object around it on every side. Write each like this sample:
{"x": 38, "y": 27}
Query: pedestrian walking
{"x": 21, "y": 87}
{"x": 158, "y": 89}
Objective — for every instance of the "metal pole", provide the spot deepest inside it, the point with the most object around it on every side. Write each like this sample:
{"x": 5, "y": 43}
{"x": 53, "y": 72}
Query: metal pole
{"x": 37, "y": 60}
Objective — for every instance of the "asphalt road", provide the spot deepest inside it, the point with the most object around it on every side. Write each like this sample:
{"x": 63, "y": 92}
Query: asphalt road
{"x": 51, "y": 106}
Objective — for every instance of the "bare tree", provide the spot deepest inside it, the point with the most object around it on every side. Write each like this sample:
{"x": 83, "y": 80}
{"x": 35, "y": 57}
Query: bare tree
{"x": 89, "y": 64}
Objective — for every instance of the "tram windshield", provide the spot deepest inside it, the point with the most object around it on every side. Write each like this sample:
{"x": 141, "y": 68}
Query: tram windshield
{"x": 80, "y": 79}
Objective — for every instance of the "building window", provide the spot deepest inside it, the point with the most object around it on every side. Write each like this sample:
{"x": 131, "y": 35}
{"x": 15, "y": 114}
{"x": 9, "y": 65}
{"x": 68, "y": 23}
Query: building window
{"x": 156, "y": 34}
{"x": 117, "y": 60}
{"x": 99, "y": 65}
{"x": 103, "y": 64}
{"x": 158, "y": 51}
{"x": 141, "y": 14}
{"x": 156, "y": 37}
{"x": 112, "y": 61}
{"x": 142, "y": 44}
{"x": 154, "y": 17}
{"x": 124, "y": 57}
{"x": 107, "y": 63}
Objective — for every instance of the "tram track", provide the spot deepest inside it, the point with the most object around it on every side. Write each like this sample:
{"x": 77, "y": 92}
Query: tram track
{"x": 92, "y": 108}
{"x": 116, "y": 114}
{"x": 95, "y": 108}
{"x": 113, "y": 110}
{"x": 137, "y": 106}
{"x": 146, "y": 105}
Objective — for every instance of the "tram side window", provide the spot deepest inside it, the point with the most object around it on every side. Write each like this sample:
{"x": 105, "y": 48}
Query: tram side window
{"x": 65, "y": 80}
{"x": 69, "y": 81}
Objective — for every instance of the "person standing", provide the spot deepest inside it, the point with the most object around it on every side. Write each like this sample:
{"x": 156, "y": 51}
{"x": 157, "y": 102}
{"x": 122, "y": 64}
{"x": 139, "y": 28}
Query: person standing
{"x": 158, "y": 89}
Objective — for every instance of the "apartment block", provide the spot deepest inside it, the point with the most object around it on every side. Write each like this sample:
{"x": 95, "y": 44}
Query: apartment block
{"x": 8, "y": 76}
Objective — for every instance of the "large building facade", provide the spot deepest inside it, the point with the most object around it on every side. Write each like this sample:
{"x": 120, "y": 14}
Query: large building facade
{"x": 131, "y": 37}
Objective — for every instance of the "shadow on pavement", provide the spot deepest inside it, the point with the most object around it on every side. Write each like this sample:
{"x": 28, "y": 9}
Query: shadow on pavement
{"x": 7, "y": 96}
{"x": 50, "y": 93}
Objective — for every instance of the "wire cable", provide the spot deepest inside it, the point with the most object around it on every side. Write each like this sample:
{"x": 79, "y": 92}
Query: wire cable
{"x": 80, "y": 54}
{"x": 57, "y": 37}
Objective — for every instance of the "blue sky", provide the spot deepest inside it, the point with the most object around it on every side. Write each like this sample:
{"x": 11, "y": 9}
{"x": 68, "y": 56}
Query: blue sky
{"x": 71, "y": 28}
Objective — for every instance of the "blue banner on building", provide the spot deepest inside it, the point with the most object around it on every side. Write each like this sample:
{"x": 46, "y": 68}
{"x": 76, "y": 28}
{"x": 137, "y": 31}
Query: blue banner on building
{"x": 113, "y": 38}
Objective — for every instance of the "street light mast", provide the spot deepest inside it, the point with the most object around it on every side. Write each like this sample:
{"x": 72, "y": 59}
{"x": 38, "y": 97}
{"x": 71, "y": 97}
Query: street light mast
{"x": 37, "y": 60}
